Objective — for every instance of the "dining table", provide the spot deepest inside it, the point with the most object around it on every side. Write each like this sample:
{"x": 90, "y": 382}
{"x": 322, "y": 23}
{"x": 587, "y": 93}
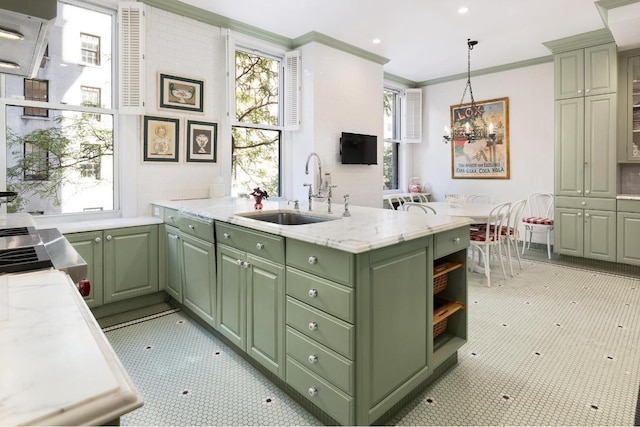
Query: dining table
{"x": 478, "y": 212}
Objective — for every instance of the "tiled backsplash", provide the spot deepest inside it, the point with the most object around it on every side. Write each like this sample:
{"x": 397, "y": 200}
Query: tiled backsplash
{"x": 630, "y": 178}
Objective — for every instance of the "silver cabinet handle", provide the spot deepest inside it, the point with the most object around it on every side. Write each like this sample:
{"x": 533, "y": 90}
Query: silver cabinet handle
{"x": 313, "y": 293}
{"x": 587, "y": 215}
{"x": 313, "y": 260}
{"x": 579, "y": 213}
{"x": 579, "y": 191}
{"x": 456, "y": 240}
{"x": 226, "y": 235}
{"x": 583, "y": 203}
{"x": 313, "y": 391}
{"x": 313, "y": 358}
{"x": 191, "y": 226}
{"x": 246, "y": 264}
{"x": 98, "y": 240}
{"x": 313, "y": 326}
{"x": 579, "y": 90}
{"x": 170, "y": 217}
{"x": 587, "y": 192}
{"x": 587, "y": 90}
{"x": 109, "y": 237}
{"x": 260, "y": 246}
{"x": 239, "y": 262}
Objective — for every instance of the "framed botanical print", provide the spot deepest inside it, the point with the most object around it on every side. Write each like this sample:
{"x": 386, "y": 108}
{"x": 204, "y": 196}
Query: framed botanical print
{"x": 161, "y": 139}
{"x": 181, "y": 93}
{"x": 202, "y": 141}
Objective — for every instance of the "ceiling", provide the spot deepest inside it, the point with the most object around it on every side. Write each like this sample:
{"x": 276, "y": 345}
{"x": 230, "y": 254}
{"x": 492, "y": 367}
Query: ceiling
{"x": 426, "y": 39}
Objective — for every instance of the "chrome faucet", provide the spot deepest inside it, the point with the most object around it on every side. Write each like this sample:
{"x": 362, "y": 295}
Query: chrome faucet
{"x": 318, "y": 179}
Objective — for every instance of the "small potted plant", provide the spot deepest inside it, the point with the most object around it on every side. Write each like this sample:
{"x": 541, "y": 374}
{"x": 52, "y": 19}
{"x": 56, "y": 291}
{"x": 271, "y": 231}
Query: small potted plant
{"x": 258, "y": 195}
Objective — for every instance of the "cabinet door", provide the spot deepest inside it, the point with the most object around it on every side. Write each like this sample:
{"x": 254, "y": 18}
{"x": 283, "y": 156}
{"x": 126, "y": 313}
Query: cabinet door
{"x": 600, "y": 235}
{"x": 130, "y": 262}
{"x": 199, "y": 277}
{"x": 600, "y": 69}
{"x": 631, "y": 116}
{"x": 231, "y": 285}
{"x": 568, "y": 232}
{"x": 89, "y": 246}
{"x": 265, "y": 313}
{"x": 600, "y": 146}
{"x": 569, "y": 74}
{"x": 569, "y": 147}
{"x": 628, "y": 226}
{"x": 173, "y": 263}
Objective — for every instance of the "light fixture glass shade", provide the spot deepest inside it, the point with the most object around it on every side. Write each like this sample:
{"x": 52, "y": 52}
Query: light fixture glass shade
{"x": 10, "y": 34}
{"x": 8, "y": 64}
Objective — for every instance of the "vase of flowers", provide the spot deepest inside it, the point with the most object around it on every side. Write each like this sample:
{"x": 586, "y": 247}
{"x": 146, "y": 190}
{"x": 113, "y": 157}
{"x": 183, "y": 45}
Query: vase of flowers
{"x": 258, "y": 195}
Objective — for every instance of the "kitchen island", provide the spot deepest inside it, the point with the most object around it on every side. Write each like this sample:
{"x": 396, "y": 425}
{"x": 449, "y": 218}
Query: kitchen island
{"x": 341, "y": 313}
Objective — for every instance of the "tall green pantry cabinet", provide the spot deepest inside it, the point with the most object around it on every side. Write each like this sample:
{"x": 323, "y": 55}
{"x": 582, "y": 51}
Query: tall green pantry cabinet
{"x": 585, "y": 76}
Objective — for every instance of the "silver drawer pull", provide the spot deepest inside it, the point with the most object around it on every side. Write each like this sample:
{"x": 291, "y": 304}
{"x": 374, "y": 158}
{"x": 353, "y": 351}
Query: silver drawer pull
{"x": 98, "y": 240}
{"x": 313, "y": 391}
{"x": 246, "y": 264}
{"x": 313, "y": 326}
{"x": 313, "y": 293}
{"x": 456, "y": 240}
{"x": 191, "y": 226}
{"x": 239, "y": 262}
{"x": 260, "y": 246}
{"x": 226, "y": 235}
{"x": 313, "y": 358}
{"x": 170, "y": 217}
{"x": 109, "y": 237}
{"x": 313, "y": 260}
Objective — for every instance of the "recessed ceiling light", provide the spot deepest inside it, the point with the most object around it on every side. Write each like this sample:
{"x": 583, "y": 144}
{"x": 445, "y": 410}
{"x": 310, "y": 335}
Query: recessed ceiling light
{"x": 376, "y": 41}
{"x": 10, "y": 34}
{"x": 463, "y": 9}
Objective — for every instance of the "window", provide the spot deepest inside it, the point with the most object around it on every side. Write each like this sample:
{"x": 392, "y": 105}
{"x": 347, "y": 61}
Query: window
{"x": 392, "y": 119}
{"x": 257, "y": 132}
{"x": 89, "y": 49}
{"x": 65, "y": 164}
{"x": 36, "y": 90}
{"x": 91, "y": 98}
{"x": 35, "y": 162}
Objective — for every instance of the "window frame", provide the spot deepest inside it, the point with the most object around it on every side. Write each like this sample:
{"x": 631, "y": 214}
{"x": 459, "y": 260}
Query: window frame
{"x": 30, "y": 111}
{"x": 396, "y": 137}
{"x": 42, "y": 174}
{"x": 97, "y": 52}
{"x": 85, "y": 89}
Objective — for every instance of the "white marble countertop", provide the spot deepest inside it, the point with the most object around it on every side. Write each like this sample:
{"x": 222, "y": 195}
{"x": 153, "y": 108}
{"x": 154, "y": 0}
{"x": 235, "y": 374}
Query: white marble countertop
{"x": 628, "y": 197}
{"x": 56, "y": 365}
{"x": 364, "y": 230}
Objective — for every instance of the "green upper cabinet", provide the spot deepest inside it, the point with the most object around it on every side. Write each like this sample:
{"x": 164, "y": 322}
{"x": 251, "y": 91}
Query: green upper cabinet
{"x": 629, "y": 104}
{"x": 586, "y": 72}
{"x": 585, "y": 146}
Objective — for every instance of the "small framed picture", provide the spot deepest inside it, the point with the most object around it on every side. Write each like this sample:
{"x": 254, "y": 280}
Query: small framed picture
{"x": 181, "y": 93}
{"x": 202, "y": 141}
{"x": 161, "y": 136}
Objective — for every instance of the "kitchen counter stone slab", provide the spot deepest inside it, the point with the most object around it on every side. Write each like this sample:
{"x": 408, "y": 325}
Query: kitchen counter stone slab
{"x": 366, "y": 229}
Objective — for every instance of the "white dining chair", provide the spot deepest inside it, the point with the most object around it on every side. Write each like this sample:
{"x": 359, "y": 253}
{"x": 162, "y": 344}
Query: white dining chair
{"x": 396, "y": 202}
{"x": 420, "y": 197}
{"x": 413, "y": 206}
{"x": 489, "y": 236}
{"x": 511, "y": 233}
{"x": 479, "y": 198}
{"x": 540, "y": 219}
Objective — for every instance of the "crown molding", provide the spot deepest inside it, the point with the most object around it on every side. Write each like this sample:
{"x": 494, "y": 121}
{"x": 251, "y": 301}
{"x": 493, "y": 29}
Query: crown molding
{"x": 398, "y": 79}
{"x": 580, "y": 41}
{"x": 314, "y": 36}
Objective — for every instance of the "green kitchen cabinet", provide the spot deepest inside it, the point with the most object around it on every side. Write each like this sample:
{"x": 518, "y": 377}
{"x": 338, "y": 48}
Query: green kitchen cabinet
{"x": 585, "y": 228}
{"x": 89, "y": 247}
{"x": 251, "y": 290}
{"x": 585, "y": 147}
{"x": 629, "y": 106}
{"x": 189, "y": 273}
{"x": 122, "y": 261}
{"x": 628, "y": 232}
{"x": 586, "y": 72}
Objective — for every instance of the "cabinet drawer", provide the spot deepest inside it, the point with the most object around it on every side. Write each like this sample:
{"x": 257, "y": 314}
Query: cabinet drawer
{"x": 325, "y": 396}
{"x": 322, "y": 327}
{"x": 450, "y": 241}
{"x": 585, "y": 203}
{"x": 629, "y": 206}
{"x": 255, "y": 242}
{"x": 327, "y": 296}
{"x": 195, "y": 227}
{"x": 322, "y": 261}
{"x": 319, "y": 359}
{"x": 170, "y": 216}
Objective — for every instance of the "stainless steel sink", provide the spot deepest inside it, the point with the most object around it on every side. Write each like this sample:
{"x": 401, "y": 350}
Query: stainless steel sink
{"x": 286, "y": 218}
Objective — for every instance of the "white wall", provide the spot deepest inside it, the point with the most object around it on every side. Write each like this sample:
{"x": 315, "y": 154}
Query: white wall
{"x": 183, "y": 47}
{"x": 341, "y": 93}
{"x": 530, "y": 93}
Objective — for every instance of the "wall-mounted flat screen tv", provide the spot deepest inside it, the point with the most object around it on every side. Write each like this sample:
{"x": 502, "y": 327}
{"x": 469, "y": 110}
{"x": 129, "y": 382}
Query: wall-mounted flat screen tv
{"x": 358, "y": 149}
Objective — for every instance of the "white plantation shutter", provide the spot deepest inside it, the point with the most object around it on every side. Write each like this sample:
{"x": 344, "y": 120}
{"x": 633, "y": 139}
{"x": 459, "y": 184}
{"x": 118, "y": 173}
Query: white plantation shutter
{"x": 412, "y": 116}
{"x": 292, "y": 88}
{"x": 131, "y": 56}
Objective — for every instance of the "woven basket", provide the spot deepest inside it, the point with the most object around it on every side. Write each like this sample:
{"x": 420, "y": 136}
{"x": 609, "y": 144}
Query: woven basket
{"x": 439, "y": 328}
{"x": 440, "y": 283}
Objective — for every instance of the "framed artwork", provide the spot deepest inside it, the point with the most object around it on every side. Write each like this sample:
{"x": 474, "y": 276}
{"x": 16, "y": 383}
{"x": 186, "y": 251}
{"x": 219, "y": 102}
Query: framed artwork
{"x": 181, "y": 93}
{"x": 161, "y": 136}
{"x": 487, "y": 157}
{"x": 202, "y": 141}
